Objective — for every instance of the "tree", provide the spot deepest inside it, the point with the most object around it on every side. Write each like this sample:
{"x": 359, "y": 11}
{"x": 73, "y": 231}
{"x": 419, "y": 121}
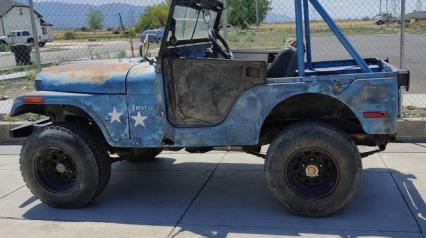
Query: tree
{"x": 95, "y": 20}
{"x": 243, "y": 12}
{"x": 154, "y": 17}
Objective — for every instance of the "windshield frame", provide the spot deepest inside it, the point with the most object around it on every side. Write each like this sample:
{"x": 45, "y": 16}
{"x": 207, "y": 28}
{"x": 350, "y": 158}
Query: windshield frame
{"x": 212, "y": 5}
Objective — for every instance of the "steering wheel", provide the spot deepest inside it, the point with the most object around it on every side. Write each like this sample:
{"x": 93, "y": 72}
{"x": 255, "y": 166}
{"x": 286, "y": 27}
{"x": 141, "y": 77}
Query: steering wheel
{"x": 225, "y": 51}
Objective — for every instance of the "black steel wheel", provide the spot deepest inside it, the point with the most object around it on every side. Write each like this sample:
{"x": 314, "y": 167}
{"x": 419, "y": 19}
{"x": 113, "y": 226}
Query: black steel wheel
{"x": 55, "y": 169}
{"x": 65, "y": 166}
{"x": 313, "y": 169}
{"x": 312, "y": 173}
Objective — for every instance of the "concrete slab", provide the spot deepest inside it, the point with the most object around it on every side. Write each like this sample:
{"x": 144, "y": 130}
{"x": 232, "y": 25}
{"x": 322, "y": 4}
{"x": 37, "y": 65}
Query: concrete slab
{"x": 416, "y": 100}
{"x": 148, "y": 198}
{"x": 413, "y": 188}
{"x": 373, "y": 163}
{"x": 9, "y": 162}
{"x": 10, "y": 181}
{"x": 187, "y": 231}
{"x": 10, "y": 149}
{"x": 242, "y": 199}
{"x": 174, "y": 162}
{"x": 405, "y": 163}
{"x": 47, "y": 229}
{"x": 404, "y": 148}
{"x": 5, "y": 105}
{"x": 241, "y": 162}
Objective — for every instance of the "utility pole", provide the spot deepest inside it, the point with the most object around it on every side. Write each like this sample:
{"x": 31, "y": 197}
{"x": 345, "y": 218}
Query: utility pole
{"x": 387, "y": 8}
{"x": 35, "y": 36}
{"x": 121, "y": 21}
{"x": 380, "y": 8}
{"x": 225, "y": 19}
{"x": 257, "y": 14}
{"x": 419, "y": 6}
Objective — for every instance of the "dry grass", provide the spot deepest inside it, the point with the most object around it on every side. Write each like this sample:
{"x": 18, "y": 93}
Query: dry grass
{"x": 87, "y": 35}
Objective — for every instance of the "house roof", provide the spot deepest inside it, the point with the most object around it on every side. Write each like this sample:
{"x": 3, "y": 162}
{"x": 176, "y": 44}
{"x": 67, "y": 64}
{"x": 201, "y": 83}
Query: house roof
{"x": 416, "y": 15}
{"x": 6, "y": 5}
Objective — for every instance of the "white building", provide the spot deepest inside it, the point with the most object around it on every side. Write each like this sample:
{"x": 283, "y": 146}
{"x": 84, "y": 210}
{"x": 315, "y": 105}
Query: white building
{"x": 15, "y": 16}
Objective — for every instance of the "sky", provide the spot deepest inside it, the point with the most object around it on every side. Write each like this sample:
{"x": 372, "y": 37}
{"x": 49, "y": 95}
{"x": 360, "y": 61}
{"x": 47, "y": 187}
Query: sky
{"x": 337, "y": 8}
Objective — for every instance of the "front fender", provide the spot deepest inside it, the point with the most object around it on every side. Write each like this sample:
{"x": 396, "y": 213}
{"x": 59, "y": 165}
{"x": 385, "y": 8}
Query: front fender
{"x": 98, "y": 107}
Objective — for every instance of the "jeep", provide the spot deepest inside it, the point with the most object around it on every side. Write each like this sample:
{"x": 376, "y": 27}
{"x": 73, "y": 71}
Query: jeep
{"x": 200, "y": 95}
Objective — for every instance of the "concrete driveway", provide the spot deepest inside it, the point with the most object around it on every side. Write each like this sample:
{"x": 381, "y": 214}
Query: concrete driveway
{"x": 219, "y": 194}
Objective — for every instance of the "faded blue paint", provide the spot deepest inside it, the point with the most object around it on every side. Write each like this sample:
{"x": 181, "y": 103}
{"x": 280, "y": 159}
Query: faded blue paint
{"x": 127, "y": 98}
{"x": 146, "y": 96}
{"x": 98, "y": 76}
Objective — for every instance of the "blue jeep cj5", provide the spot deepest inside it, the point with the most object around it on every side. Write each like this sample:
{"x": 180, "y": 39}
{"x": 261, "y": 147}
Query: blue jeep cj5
{"x": 198, "y": 95}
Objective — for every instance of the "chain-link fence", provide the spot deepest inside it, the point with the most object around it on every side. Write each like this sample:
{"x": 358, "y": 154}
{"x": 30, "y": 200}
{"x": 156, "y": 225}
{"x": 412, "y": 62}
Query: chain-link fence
{"x": 61, "y": 31}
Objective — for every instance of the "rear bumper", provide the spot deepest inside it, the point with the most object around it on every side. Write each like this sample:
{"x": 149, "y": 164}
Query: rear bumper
{"x": 404, "y": 79}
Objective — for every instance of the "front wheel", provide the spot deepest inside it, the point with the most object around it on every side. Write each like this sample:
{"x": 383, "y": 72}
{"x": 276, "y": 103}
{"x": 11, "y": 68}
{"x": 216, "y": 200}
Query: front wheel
{"x": 63, "y": 166}
{"x": 313, "y": 169}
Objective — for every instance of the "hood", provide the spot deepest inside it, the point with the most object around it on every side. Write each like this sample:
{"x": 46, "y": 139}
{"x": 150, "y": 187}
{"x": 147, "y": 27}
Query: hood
{"x": 95, "y": 76}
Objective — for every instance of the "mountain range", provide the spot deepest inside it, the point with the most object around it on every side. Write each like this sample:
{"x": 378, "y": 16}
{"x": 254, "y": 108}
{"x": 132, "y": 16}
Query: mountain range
{"x": 73, "y": 15}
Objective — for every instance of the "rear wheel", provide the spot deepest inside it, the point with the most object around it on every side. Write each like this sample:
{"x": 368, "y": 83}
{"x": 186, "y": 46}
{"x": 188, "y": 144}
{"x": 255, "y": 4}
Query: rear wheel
{"x": 313, "y": 169}
{"x": 64, "y": 167}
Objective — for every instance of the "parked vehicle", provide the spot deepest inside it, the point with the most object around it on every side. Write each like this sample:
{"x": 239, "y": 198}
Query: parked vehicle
{"x": 21, "y": 37}
{"x": 154, "y": 35}
{"x": 386, "y": 18}
{"x": 200, "y": 95}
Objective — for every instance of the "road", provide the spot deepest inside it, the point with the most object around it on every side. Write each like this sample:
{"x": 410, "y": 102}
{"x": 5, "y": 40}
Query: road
{"x": 219, "y": 194}
{"x": 382, "y": 46}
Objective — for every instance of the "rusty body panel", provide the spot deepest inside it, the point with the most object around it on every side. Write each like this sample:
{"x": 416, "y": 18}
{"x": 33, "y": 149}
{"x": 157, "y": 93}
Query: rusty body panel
{"x": 99, "y": 76}
{"x": 139, "y": 118}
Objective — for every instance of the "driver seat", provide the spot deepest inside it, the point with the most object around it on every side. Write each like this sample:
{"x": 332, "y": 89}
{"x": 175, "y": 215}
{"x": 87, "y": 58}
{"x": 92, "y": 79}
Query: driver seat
{"x": 284, "y": 65}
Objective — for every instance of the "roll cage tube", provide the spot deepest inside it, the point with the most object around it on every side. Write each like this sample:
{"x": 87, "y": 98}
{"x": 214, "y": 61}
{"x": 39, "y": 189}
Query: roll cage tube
{"x": 302, "y": 15}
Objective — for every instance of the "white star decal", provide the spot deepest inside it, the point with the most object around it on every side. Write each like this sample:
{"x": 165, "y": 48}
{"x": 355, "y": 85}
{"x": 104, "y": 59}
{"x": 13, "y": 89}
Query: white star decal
{"x": 115, "y": 116}
{"x": 139, "y": 120}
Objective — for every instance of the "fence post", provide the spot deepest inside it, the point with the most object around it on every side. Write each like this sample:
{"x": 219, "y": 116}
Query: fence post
{"x": 225, "y": 20}
{"x": 257, "y": 14}
{"x": 402, "y": 40}
{"x": 402, "y": 53}
{"x": 35, "y": 36}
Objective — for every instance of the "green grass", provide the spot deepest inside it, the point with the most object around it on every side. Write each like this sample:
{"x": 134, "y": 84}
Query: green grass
{"x": 4, "y": 48}
{"x": 414, "y": 112}
{"x": 274, "y": 35}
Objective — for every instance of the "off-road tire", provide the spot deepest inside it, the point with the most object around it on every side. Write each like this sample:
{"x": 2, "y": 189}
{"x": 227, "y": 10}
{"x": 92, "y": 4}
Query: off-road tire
{"x": 304, "y": 136}
{"x": 139, "y": 155}
{"x": 89, "y": 155}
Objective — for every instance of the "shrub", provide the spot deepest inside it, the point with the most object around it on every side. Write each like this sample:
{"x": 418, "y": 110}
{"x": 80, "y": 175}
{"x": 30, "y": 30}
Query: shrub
{"x": 69, "y": 35}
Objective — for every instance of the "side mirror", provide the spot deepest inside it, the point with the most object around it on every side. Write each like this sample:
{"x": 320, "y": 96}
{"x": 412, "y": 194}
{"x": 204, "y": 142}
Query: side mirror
{"x": 144, "y": 50}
